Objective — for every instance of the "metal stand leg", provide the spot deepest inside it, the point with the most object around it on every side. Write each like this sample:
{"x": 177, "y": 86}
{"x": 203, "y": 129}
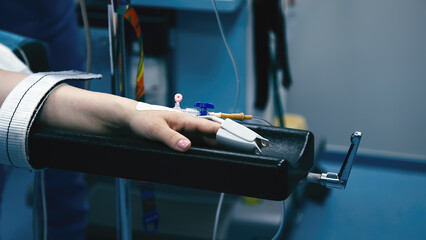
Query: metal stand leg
{"x": 118, "y": 80}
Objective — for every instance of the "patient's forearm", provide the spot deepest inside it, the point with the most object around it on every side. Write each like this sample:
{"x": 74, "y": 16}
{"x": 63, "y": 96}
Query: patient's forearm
{"x": 75, "y": 109}
{"x": 81, "y": 110}
{"x": 8, "y": 80}
{"x": 72, "y": 108}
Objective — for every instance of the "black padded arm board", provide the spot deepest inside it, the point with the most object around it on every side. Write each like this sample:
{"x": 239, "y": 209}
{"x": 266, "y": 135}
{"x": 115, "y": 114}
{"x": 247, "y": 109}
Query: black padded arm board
{"x": 272, "y": 175}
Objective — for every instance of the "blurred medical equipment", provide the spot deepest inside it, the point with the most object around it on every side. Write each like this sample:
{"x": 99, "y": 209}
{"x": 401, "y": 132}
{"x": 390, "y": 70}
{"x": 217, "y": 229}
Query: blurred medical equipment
{"x": 253, "y": 127}
{"x": 117, "y": 12}
{"x": 270, "y": 48}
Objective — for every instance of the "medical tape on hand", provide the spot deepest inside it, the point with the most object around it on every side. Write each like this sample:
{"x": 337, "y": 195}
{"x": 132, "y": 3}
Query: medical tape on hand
{"x": 141, "y": 106}
{"x": 20, "y": 108}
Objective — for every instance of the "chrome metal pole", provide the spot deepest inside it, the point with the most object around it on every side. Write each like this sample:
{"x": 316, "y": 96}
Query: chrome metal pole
{"x": 118, "y": 80}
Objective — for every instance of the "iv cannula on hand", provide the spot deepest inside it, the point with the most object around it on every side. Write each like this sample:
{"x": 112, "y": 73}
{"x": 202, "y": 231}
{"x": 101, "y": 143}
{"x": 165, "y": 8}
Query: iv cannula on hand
{"x": 203, "y": 110}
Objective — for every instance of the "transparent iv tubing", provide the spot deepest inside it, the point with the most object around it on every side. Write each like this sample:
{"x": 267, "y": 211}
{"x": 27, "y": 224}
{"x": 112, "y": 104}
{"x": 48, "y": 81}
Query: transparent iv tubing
{"x": 280, "y": 231}
{"x": 39, "y": 178}
{"x": 237, "y": 77}
{"x": 234, "y": 63}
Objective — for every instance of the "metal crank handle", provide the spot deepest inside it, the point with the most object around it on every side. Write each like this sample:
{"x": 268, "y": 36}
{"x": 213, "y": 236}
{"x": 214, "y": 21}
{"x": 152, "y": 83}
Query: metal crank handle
{"x": 334, "y": 180}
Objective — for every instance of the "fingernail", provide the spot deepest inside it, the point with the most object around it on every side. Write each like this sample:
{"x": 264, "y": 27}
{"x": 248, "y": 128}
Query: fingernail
{"x": 183, "y": 144}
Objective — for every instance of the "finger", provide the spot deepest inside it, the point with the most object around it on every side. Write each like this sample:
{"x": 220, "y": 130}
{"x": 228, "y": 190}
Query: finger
{"x": 207, "y": 126}
{"x": 195, "y": 128}
{"x": 209, "y": 141}
{"x": 171, "y": 138}
{"x": 188, "y": 123}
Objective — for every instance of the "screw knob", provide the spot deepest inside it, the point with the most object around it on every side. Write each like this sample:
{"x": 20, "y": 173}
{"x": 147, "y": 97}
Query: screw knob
{"x": 203, "y": 107}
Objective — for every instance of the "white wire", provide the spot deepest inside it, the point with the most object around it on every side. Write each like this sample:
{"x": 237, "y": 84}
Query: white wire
{"x": 237, "y": 77}
{"x": 262, "y": 120}
{"x": 234, "y": 63}
{"x": 88, "y": 39}
{"x": 213, "y": 118}
{"x": 216, "y": 220}
{"x": 281, "y": 229}
{"x": 43, "y": 202}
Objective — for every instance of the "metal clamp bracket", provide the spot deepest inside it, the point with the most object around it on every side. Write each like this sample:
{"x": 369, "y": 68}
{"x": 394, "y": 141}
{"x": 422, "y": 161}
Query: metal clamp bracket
{"x": 334, "y": 180}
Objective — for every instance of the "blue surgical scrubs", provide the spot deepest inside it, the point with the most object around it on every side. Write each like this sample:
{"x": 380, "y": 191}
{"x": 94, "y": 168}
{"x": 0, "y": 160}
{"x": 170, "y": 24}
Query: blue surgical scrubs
{"x": 54, "y": 22}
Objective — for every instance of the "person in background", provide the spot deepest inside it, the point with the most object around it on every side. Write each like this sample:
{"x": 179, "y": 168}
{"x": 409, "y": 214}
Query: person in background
{"x": 55, "y": 23}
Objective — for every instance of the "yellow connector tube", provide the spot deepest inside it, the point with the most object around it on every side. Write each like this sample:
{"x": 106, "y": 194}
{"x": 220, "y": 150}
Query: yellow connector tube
{"x": 236, "y": 116}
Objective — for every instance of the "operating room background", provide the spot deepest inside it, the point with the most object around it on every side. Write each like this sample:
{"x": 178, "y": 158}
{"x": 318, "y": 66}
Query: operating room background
{"x": 362, "y": 65}
{"x": 357, "y": 65}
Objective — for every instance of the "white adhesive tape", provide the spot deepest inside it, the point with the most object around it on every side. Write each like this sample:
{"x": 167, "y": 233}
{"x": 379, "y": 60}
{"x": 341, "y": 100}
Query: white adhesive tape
{"x": 141, "y": 106}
